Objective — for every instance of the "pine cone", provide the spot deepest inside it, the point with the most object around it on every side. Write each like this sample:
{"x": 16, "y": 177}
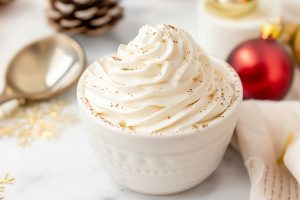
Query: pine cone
{"x": 90, "y": 17}
{"x": 3, "y": 2}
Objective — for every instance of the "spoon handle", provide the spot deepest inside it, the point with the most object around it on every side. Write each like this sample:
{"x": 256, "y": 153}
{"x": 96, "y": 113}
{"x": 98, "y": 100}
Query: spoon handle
{"x": 7, "y": 94}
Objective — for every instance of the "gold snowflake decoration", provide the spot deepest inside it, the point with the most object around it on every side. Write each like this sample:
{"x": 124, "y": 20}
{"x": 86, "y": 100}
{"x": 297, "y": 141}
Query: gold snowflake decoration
{"x": 5, "y": 181}
{"x": 35, "y": 121}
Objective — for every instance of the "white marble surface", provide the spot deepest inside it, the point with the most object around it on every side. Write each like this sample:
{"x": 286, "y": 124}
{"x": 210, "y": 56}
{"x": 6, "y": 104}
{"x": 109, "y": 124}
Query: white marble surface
{"x": 66, "y": 169}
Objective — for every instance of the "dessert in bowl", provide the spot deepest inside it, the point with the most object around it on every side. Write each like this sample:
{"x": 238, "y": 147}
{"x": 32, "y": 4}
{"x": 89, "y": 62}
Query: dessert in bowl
{"x": 160, "y": 111}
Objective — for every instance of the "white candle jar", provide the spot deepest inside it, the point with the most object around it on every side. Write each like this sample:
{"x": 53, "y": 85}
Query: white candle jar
{"x": 220, "y": 35}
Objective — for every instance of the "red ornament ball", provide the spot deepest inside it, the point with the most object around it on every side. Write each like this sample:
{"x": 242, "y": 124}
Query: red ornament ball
{"x": 265, "y": 68}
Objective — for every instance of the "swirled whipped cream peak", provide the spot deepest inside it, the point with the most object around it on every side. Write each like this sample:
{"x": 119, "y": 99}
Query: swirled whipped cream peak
{"x": 161, "y": 81}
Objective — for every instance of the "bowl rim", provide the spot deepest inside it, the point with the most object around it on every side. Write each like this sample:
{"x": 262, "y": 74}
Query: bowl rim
{"x": 186, "y": 132}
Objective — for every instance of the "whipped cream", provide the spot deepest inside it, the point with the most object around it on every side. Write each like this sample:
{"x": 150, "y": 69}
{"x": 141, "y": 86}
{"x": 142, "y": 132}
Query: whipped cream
{"x": 159, "y": 82}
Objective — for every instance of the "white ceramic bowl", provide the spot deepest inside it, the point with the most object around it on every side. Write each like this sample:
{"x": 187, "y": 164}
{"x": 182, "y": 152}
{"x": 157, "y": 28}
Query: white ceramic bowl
{"x": 162, "y": 164}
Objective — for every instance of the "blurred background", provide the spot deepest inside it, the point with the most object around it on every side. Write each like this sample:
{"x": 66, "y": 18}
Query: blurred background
{"x": 66, "y": 168}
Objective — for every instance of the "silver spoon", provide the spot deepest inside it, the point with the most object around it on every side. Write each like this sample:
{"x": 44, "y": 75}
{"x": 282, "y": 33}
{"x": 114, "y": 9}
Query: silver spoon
{"x": 44, "y": 69}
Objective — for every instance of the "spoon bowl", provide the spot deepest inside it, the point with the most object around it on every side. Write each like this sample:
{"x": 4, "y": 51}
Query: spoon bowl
{"x": 44, "y": 68}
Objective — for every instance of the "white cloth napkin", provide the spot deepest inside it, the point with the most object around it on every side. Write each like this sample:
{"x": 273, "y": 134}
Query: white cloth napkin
{"x": 268, "y": 136}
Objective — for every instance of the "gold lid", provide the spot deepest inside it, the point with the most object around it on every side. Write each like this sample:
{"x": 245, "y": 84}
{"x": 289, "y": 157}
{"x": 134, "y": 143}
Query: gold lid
{"x": 231, "y": 8}
{"x": 291, "y": 36}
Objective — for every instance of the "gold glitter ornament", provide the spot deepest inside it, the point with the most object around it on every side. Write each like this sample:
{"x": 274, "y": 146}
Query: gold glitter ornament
{"x": 38, "y": 120}
{"x": 231, "y": 8}
{"x": 5, "y": 181}
{"x": 296, "y": 46}
{"x": 291, "y": 35}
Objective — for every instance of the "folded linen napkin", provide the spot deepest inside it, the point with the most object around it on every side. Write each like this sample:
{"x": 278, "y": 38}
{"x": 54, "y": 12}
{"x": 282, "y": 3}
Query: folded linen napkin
{"x": 268, "y": 137}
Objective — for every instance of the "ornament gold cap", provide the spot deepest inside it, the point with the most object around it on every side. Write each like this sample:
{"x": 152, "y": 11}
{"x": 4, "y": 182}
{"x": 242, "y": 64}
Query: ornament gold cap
{"x": 271, "y": 29}
{"x": 231, "y": 8}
